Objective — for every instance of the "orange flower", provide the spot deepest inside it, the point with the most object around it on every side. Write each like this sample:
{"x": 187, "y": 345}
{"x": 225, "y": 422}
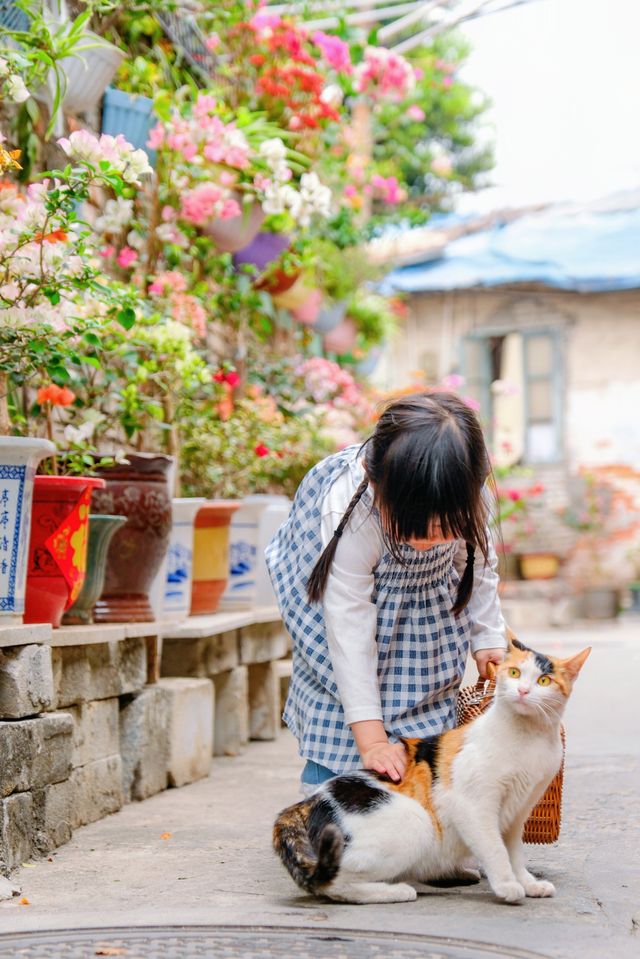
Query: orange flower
{"x": 56, "y": 395}
{"x": 57, "y": 236}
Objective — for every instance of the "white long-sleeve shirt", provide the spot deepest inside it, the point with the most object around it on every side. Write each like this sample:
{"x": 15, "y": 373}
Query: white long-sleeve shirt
{"x": 351, "y": 616}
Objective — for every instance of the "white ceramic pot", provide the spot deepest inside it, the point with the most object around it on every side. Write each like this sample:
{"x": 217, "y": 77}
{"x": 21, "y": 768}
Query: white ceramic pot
{"x": 19, "y": 457}
{"x": 252, "y": 527}
{"x": 89, "y": 74}
{"x": 179, "y": 575}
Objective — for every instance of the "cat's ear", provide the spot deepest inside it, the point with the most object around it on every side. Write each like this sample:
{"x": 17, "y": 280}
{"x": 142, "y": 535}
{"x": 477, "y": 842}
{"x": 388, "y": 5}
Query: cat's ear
{"x": 574, "y": 664}
{"x": 512, "y": 639}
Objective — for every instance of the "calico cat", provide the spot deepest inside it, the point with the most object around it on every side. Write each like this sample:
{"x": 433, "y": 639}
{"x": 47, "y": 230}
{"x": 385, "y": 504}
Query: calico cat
{"x": 466, "y": 792}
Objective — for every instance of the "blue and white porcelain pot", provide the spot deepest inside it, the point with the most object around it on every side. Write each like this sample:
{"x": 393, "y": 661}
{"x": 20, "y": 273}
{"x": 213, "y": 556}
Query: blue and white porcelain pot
{"x": 19, "y": 458}
{"x": 252, "y": 527}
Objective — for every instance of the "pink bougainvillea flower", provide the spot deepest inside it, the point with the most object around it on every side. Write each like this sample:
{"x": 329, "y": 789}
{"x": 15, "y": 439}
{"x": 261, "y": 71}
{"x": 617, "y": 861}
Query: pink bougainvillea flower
{"x": 156, "y": 137}
{"x": 56, "y": 395}
{"x": 414, "y": 112}
{"x": 453, "y": 381}
{"x": 126, "y": 257}
{"x": 334, "y": 50}
{"x": 212, "y": 42}
{"x": 471, "y": 403}
{"x": 261, "y": 450}
{"x": 107, "y": 252}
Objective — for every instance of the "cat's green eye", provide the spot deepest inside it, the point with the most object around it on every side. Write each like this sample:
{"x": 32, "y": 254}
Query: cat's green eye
{"x": 544, "y": 680}
{"x": 514, "y": 672}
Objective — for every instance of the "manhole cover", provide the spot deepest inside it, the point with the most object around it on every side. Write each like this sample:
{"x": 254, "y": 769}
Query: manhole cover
{"x": 225, "y": 942}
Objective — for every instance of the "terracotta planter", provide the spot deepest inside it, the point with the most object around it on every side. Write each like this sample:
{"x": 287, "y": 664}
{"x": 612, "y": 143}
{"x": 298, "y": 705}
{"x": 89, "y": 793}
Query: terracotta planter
{"x": 101, "y": 531}
{"x": 19, "y": 457}
{"x": 252, "y": 527}
{"x": 237, "y": 232}
{"x": 140, "y": 492}
{"x": 538, "y": 565}
{"x": 342, "y": 339}
{"x": 211, "y": 555}
{"x": 58, "y": 545}
{"x": 309, "y": 311}
{"x": 295, "y": 295}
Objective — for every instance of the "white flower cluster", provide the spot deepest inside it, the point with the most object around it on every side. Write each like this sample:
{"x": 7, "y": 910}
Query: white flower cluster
{"x": 83, "y": 147}
{"x": 115, "y": 216}
{"x": 313, "y": 198}
{"x": 11, "y": 84}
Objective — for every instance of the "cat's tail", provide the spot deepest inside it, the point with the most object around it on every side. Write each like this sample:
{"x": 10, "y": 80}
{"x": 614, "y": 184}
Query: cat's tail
{"x": 311, "y": 869}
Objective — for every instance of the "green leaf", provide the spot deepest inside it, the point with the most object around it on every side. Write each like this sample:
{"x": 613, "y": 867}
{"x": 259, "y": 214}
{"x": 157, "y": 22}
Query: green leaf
{"x": 126, "y": 317}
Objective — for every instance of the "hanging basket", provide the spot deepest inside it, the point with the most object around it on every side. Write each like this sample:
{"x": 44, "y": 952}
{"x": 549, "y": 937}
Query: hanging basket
{"x": 132, "y": 116}
{"x": 308, "y": 312}
{"x": 89, "y": 74}
{"x": 342, "y": 339}
{"x": 262, "y": 250}
{"x": 293, "y": 297}
{"x": 236, "y": 232}
{"x": 330, "y": 316}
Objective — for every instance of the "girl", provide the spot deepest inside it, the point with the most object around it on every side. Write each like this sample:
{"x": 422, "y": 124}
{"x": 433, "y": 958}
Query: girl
{"x": 384, "y": 575}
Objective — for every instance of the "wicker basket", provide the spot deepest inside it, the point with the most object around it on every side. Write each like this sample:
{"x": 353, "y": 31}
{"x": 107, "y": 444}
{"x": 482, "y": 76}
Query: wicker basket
{"x": 543, "y": 825}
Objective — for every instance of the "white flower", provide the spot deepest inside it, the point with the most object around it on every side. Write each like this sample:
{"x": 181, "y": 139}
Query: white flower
{"x": 4, "y": 67}
{"x": 16, "y": 89}
{"x": 273, "y": 149}
{"x": 332, "y": 95}
{"x": 79, "y": 434}
{"x": 115, "y": 216}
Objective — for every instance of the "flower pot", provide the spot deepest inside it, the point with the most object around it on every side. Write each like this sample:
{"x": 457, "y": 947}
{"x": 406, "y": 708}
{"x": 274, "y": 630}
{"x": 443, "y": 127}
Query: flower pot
{"x": 295, "y": 295}
{"x": 538, "y": 565}
{"x": 19, "y": 457}
{"x": 211, "y": 554}
{"x": 366, "y": 366}
{"x": 252, "y": 528}
{"x": 101, "y": 530}
{"x": 263, "y": 249}
{"x": 342, "y": 339}
{"x": 601, "y": 602}
{"x": 57, "y": 545}
{"x": 171, "y": 593}
{"x": 236, "y": 232}
{"x": 330, "y": 316}
{"x": 309, "y": 311}
{"x": 132, "y": 116}
{"x": 89, "y": 74}
{"x": 634, "y": 590}
{"x": 138, "y": 490}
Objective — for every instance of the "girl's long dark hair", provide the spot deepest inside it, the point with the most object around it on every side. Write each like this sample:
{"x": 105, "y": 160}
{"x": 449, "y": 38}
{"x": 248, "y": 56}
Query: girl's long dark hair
{"x": 427, "y": 463}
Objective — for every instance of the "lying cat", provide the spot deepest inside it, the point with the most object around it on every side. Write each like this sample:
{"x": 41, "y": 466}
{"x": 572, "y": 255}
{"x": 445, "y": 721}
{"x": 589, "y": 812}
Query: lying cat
{"x": 467, "y": 792}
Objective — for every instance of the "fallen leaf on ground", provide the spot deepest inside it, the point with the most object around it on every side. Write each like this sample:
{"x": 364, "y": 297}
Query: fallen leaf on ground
{"x": 110, "y": 951}
{"x": 166, "y": 835}
{"x": 24, "y": 901}
{"x": 28, "y": 865}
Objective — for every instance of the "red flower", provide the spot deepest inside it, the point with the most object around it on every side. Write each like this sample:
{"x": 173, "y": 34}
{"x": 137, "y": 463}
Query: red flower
{"x": 56, "y": 395}
{"x": 232, "y": 378}
{"x": 261, "y": 450}
{"x": 513, "y": 494}
{"x": 220, "y": 376}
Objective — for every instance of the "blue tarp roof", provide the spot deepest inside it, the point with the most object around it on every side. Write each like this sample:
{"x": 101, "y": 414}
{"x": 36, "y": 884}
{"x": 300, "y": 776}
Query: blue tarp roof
{"x": 582, "y": 250}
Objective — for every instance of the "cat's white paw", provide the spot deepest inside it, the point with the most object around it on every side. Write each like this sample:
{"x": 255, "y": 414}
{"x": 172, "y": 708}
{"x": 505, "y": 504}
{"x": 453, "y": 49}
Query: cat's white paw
{"x": 509, "y": 891}
{"x": 403, "y": 892}
{"x": 539, "y": 889}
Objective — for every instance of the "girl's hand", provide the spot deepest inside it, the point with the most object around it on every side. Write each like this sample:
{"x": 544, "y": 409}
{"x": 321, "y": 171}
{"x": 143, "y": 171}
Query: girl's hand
{"x": 485, "y": 656}
{"x": 389, "y": 758}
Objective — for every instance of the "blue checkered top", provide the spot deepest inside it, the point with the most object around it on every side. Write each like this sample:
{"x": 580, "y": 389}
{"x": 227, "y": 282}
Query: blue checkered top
{"x": 422, "y": 646}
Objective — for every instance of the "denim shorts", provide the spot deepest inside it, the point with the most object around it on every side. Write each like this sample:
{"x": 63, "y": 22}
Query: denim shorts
{"x": 314, "y": 774}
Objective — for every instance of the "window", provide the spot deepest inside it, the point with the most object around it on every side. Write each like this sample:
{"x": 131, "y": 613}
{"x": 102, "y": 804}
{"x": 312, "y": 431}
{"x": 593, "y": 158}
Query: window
{"x": 516, "y": 377}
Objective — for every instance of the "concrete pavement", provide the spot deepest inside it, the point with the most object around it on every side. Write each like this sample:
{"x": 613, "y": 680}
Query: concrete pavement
{"x": 202, "y": 855}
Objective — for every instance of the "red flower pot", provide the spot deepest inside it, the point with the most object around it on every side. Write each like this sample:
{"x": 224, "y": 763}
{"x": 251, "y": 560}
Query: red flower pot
{"x": 58, "y": 545}
{"x": 211, "y": 554}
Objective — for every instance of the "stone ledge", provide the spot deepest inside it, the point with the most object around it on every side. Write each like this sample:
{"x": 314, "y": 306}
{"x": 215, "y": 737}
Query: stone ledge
{"x": 24, "y": 635}
{"x": 201, "y": 627}
{"x": 88, "y": 635}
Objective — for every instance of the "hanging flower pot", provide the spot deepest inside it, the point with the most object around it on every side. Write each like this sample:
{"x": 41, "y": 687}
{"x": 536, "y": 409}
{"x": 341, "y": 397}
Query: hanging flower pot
{"x": 263, "y": 250}
{"x": 87, "y": 75}
{"x": 293, "y": 297}
{"x": 367, "y": 365}
{"x": 330, "y": 316}
{"x": 342, "y": 338}
{"x": 171, "y": 593}
{"x": 101, "y": 531}
{"x": 138, "y": 490}
{"x": 19, "y": 457}
{"x": 236, "y": 232}
{"x": 132, "y": 116}
{"x": 57, "y": 545}
{"x": 252, "y": 527}
{"x": 309, "y": 311}
{"x": 211, "y": 555}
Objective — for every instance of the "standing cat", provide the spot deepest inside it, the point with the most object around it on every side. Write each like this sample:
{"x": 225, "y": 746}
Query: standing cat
{"x": 468, "y": 791}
